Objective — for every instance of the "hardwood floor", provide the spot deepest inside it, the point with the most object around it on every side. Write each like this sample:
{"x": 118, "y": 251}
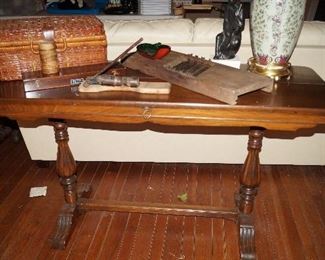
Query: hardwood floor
{"x": 289, "y": 213}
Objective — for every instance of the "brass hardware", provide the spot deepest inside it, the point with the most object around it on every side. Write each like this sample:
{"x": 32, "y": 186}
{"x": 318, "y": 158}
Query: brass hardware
{"x": 146, "y": 113}
{"x": 37, "y": 43}
{"x": 273, "y": 71}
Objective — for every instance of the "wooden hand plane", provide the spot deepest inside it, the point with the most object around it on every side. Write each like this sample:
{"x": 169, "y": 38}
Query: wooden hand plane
{"x": 123, "y": 83}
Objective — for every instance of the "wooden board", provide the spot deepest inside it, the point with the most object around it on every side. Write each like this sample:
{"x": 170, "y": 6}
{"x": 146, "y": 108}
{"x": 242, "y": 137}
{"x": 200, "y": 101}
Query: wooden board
{"x": 34, "y": 81}
{"x": 143, "y": 88}
{"x": 198, "y": 7}
{"x": 202, "y": 76}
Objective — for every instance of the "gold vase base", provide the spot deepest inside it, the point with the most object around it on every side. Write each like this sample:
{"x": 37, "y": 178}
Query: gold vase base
{"x": 273, "y": 71}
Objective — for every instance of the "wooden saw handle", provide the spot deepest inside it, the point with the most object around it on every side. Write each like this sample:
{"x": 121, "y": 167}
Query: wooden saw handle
{"x": 143, "y": 88}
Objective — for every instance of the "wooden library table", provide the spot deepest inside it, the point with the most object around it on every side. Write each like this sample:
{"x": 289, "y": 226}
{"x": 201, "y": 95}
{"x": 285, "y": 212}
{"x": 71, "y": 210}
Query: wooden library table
{"x": 295, "y": 104}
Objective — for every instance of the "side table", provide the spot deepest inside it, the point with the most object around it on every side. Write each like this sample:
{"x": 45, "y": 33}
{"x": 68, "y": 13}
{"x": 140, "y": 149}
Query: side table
{"x": 295, "y": 104}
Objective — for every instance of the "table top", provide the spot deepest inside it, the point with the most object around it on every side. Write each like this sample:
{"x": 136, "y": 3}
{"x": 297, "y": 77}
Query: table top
{"x": 294, "y": 104}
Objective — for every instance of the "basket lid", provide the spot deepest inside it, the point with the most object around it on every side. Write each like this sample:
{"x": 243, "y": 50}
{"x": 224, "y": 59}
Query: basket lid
{"x": 68, "y": 27}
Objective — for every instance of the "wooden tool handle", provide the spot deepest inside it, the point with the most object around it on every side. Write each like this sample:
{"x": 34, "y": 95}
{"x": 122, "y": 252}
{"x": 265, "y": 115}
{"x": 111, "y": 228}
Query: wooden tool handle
{"x": 144, "y": 88}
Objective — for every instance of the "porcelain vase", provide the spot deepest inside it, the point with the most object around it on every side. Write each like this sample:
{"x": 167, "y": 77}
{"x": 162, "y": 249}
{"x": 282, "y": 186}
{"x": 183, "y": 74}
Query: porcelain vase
{"x": 275, "y": 27}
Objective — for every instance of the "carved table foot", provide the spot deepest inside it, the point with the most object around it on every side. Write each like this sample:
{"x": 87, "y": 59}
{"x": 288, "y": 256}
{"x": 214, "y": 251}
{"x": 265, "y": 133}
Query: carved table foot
{"x": 246, "y": 237}
{"x": 64, "y": 226}
{"x": 67, "y": 219}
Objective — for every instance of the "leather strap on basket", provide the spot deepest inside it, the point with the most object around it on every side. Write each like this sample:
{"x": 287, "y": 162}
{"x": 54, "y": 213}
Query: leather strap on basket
{"x": 48, "y": 54}
{"x": 48, "y": 35}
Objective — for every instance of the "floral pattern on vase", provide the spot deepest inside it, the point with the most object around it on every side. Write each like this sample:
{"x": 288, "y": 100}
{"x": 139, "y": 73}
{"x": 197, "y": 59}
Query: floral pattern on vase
{"x": 275, "y": 28}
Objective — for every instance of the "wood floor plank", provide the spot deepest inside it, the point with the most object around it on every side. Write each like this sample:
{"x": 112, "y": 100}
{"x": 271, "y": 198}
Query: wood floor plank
{"x": 163, "y": 176}
{"x": 29, "y": 219}
{"x": 43, "y": 219}
{"x": 13, "y": 206}
{"x": 114, "y": 235}
{"x": 44, "y": 250}
{"x": 126, "y": 245}
{"x": 136, "y": 189}
{"x": 8, "y": 156}
{"x": 176, "y": 228}
{"x": 193, "y": 184}
{"x": 217, "y": 229}
{"x": 229, "y": 180}
{"x": 174, "y": 238}
{"x": 8, "y": 181}
{"x": 314, "y": 180}
{"x": 140, "y": 244}
{"x": 278, "y": 237}
{"x": 188, "y": 238}
{"x": 128, "y": 193}
{"x": 289, "y": 211}
{"x": 86, "y": 224}
{"x": 105, "y": 186}
{"x": 308, "y": 210}
{"x": 203, "y": 238}
{"x": 5, "y": 149}
{"x": 119, "y": 181}
{"x": 110, "y": 245}
{"x": 202, "y": 229}
{"x": 104, "y": 225}
{"x": 289, "y": 228}
{"x": 267, "y": 223}
{"x": 91, "y": 220}
{"x": 158, "y": 237}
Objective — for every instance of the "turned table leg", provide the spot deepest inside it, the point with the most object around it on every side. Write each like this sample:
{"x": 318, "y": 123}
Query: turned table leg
{"x": 249, "y": 181}
{"x": 66, "y": 169}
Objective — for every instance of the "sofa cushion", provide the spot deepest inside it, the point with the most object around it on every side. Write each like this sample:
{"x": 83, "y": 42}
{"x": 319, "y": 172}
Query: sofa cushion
{"x": 151, "y": 30}
{"x": 312, "y": 34}
{"x": 206, "y": 30}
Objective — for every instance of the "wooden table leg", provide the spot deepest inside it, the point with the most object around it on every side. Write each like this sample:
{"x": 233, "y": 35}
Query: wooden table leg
{"x": 66, "y": 169}
{"x": 249, "y": 181}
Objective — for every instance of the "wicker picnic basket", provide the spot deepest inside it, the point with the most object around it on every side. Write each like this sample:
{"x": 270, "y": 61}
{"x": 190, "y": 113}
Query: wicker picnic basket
{"x": 79, "y": 40}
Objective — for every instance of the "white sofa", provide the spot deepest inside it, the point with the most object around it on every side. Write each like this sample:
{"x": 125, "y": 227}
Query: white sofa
{"x": 197, "y": 38}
